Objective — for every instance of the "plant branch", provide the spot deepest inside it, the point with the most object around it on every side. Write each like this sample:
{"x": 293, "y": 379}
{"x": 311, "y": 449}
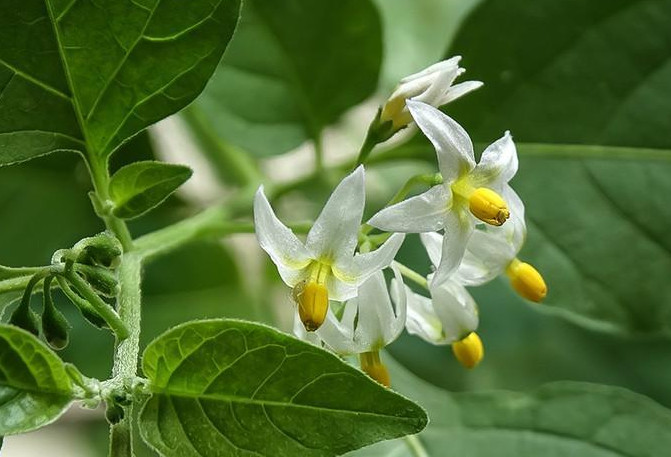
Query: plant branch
{"x": 412, "y": 275}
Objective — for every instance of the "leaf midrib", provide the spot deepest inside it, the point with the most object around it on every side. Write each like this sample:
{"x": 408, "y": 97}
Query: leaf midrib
{"x": 250, "y": 401}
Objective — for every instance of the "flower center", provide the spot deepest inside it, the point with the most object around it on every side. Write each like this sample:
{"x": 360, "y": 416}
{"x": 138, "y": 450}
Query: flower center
{"x": 527, "y": 281}
{"x": 469, "y": 351}
{"x": 312, "y": 297}
{"x": 484, "y": 203}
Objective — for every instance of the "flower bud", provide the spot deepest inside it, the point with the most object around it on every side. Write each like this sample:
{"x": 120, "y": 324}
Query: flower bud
{"x": 373, "y": 367}
{"x": 54, "y": 325}
{"x": 488, "y": 206}
{"x": 527, "y": 281}
{"x": 469, "y": 351}
{"x": 313, "y": 304}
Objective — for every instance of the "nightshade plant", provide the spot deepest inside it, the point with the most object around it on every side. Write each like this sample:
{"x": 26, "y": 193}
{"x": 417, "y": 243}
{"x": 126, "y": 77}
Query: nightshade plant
{"x": 88, "y": 77}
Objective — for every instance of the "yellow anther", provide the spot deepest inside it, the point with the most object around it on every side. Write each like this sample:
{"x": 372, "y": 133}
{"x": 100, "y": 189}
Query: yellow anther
{"x": 313, "y": 304}
{"x": 527, "y": 281}
{"x": 469, "y": 351}
{"x": 488, "y": 206}
{"x": 373, "y": 367}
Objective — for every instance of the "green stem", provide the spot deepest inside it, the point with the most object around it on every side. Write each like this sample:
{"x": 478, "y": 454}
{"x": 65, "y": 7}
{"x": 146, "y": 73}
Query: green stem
{"x": 211, "y": 223}
{"x": 115, "y": 322}
{"x": 412, "y": 275}
{"x": 415, "y": 446}
{"x": 126, "y": 355}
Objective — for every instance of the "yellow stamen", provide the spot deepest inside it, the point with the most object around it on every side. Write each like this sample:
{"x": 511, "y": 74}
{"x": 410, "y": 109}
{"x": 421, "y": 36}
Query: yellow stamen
{"x": 313, "y": 304}
{"x": 373, "y": 367}
{"x": 527, "y": 281}
{"x": 469, "y": 351}
{"x": 488, "y": 206}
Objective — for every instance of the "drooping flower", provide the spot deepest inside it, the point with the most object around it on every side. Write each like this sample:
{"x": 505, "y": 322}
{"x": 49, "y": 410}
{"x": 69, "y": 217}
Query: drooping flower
{"x": 369, "y": 322}
{"x": 492, "y": 251}
{"x": 433, "y": 86}
{"x": 325, "y": 266}
{"x": 467, "y": 190}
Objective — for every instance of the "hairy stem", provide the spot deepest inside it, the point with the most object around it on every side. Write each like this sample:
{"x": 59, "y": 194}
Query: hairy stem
{"x": 127, "y": 351}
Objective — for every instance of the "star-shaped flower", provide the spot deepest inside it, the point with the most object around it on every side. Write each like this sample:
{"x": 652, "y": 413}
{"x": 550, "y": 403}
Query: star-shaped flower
{"x": 467, "y": 190}
{"x": 325, "y": 266}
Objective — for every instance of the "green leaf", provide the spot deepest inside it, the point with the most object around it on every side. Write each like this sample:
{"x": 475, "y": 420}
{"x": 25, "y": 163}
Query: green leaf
{"x": 569, "y": 71}
{"x": 84, "y": 75}
{"x": 141, "y": 186}
{"x": 234, "y": 387}
{"x": 34, "y": 386}
{"x": 563, "y": 418}
{"x": 293, "y": 67}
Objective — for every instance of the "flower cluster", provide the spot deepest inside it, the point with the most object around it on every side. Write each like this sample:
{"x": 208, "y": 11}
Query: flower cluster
{"x": 471, "y": 224}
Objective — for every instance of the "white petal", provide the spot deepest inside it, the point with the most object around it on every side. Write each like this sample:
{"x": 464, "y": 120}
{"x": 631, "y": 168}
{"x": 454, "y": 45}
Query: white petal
{"x": 334, "y": 233}
{"x": 433, "y": 243}
{"x": 421, "y": 213}
{"x": 399, "y": 297}
{"x": 422, "y": 319}
{"x": 283, "y": 247}
{"x": 458, "y": 90}
{"x": 436, "y": 86}
{"x": 519, "y": 226}
{"x": 498, "y": 164}
{"x": 458, "y": 229}
{"x": 338, "y": 336}
{"x": 453, "y": 145}
{"x": 340, "y": 290}
{"x": 455, "y": 308}
{"x": 442, "y": 66}
{"x": 357, "y": 269}
{"x": 487, "y": 255}
{"x": 375, "y": 313}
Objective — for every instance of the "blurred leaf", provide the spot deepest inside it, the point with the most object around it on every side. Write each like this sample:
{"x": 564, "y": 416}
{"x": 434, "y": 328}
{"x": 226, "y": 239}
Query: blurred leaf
{"x": 243, "y": 387}
{"x": 569, "y": 71}
{"x": 293, "y": 67}
{"x": 563, "y": 418}
{"x": 141, "y": 186}
{"x": 34, "y": 386}
{"x": 83, "y": 76}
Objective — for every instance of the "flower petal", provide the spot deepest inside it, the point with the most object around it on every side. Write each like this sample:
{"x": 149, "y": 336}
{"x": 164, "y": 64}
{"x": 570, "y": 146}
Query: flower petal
{"x": 400, "y": 298}
{"x": 422, "y": 319}
{"x": 498, "y": 164}
{"x": 433, "y": 243}
{"x": 302, "y": 334}
{"x": 453, "y": 145}
{"x": 357, "y": 269}
{"x": 334, "y": 233}
{"x": 456, "y": 309}
{"x": 283, "y": 247}
{"x": 458, "y": 90}
{"x": 458, "y": 229}
{"x": 487, "y": 255}
{"x": 375, "y": 313}
{"x": 421, "y": 213}
{"x": 339, "y": 335}
{"x": 442, "y": 66}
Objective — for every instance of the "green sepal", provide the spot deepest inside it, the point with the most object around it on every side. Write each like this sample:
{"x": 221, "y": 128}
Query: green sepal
{"x": 23, "y": 316}
{"x": 54, "y": 325}
{"x": 103, "y": 249}
{"x": 102, "y": 280}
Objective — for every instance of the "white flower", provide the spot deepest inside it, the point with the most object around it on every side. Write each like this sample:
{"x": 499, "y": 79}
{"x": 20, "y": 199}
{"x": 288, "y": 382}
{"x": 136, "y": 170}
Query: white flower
{"x": 467, "y": 190}
{"x": 326, "y": 266}
{"x": 369, "y": 321}
{"x": 432, "y": 85}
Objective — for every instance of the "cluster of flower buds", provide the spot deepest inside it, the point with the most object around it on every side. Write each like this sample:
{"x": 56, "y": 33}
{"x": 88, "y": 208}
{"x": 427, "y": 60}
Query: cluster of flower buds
{"x": 471, "y": 223}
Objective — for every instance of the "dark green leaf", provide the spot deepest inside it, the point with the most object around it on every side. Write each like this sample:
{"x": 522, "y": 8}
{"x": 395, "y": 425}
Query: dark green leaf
{"x": 569, "y": 71}
{"x": 234, "y": 387}
{"x": 293, "y": 67}
{"x": 34, "y": 386}
{"x": 82, "y": 75}
{"x": 564, "y": 418}
{"x": 141, "y": 186}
